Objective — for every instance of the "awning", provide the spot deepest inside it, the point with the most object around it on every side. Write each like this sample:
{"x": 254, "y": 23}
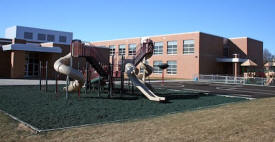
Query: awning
{"x": 269, "y": 64}
{"x": 231, "y": 60}
{"x": 31, "y": 47}
{"x": 248, "y": 63}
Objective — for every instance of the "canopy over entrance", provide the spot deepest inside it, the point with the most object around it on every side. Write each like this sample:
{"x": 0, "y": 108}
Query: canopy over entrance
{"x": 32, "y": 47}
{"x": 248, "y": 63}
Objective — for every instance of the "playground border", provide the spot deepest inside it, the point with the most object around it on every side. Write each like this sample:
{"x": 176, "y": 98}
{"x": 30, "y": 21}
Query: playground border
{"x": 37, "y": 130}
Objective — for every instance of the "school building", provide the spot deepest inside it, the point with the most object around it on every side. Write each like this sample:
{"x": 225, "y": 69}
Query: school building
{"x": 23, "y": 48}
{"x": 191, "y": 54}
{"x": 187, "y": 54}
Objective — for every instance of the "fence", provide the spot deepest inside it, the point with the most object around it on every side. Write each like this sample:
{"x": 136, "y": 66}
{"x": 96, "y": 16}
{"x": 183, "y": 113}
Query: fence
{"x": 237, "y": 80}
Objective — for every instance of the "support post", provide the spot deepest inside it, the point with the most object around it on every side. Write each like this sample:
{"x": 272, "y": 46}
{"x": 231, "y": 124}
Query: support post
{"x": 56, "y": 82}
{"x": 109, "y": 80}
{"x": 98, "y": 93}
{"x": 86, "y": 80}
{"x": 122, "y": 75}
{"x": 132, "y": 88}
{"x": 162, "y": 78}
{"x": 46, "y": 77}
{"x": 67, "y": 85}
{"x": 40, "y": 75}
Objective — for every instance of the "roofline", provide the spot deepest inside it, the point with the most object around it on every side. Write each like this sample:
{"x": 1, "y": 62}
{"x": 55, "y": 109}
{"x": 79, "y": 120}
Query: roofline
{"x": 30, "y": 47}
{"x": 148, "y": 36}
{"x": 245, "y": 37}
{"x": 39, "y": 29}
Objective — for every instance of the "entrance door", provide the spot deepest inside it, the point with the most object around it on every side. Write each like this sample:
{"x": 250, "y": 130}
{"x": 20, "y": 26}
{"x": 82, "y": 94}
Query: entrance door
{"x": 31, "y": 64}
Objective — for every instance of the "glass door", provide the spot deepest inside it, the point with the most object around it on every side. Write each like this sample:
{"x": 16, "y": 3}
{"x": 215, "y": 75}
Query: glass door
{"x": 31, "y": 64}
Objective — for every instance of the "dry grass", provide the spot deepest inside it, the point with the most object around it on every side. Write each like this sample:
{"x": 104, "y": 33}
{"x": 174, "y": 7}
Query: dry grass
{"x": 246, "y": 122}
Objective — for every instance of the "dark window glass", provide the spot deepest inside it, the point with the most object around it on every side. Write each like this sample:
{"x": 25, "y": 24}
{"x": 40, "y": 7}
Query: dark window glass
{"x": 62, "y": 38}
{"x": 27, "y": 35}
{"x": 41, "y": 37}
{"x": 50, "y": 37}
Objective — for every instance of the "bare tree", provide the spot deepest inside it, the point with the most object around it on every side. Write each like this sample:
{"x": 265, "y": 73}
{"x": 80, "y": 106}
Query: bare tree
{"x": 267, "y": 55}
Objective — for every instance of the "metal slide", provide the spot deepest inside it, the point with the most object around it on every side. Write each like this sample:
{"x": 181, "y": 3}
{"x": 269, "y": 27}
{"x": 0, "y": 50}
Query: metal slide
{"x": 62, "y": 66}
{"x": 130, "y": 70}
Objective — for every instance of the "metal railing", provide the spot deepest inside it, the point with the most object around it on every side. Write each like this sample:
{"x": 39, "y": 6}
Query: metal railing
{"x": 237, "y": 80}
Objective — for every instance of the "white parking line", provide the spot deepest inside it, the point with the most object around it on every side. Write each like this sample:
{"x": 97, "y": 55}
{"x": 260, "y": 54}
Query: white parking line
{"x": 242, "y": 95}
{"x": 238, "y": 90}
{"x": 204, "y": 91}
{"x": 229, "y": 96}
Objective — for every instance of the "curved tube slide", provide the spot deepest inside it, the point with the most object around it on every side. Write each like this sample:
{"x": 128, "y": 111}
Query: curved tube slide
{"x": 62, "y": 66}
{"x": 130, "y": 70}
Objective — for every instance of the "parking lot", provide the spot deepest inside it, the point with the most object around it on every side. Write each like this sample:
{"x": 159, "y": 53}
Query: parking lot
{"x": 245, "y": 91}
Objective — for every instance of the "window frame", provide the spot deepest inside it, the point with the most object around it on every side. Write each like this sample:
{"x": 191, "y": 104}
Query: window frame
{"x": 26, "y": 34}
{"x": 170, "y": 70}
{"x": 112, "y": 50}
{"x": 188, "y": 47}
{"x": 156, "y": 69}
{"x": 62, "y": 36}
{"x": 132, "y": 52}
{"x": 158, "y": 49}
{"x": 49, "y": 35}
{"x": 174, "y": 47}
{"x": 122, "y": 51}
{"x": 39, "y": 35}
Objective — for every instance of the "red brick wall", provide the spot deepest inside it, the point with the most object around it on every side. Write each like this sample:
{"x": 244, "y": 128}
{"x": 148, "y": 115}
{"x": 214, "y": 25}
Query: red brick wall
{"x": 5, "y": 64}
{"x": 255, "y": 51}
{"x": 187, "y": 64}
{"x": 211, "y": 47}
{"x": 17, "y": 61}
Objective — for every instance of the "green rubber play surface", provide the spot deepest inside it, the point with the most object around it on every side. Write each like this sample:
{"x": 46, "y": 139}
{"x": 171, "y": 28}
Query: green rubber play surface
{"x": 48, "y": 110}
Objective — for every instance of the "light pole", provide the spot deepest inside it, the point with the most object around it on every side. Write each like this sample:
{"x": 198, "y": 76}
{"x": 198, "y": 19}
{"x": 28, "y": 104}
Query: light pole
{"x": 163, "y": 67}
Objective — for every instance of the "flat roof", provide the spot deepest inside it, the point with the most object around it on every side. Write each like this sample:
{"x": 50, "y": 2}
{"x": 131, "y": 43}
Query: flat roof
{"x": 147, "y": 36}
{"x": 245, "y": 37}
{"x": 31, "y": 47}
{"x": 5, "y": 40}
{"x": 171, "y": 35}
{"x": 231, "y": 60}
{"x": 38, "y": 29}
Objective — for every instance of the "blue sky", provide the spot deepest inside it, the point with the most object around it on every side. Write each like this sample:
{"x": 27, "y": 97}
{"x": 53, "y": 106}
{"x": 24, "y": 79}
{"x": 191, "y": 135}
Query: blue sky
{"x": 94, "y": 20}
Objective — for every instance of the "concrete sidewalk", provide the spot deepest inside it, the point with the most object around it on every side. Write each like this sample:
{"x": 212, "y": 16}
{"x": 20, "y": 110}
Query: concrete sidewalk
{"x": 4, "y": 82}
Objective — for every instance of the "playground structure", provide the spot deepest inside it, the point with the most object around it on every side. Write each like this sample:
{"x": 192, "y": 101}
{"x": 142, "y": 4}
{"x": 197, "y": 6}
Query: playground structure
{"x": 99, "y": 59}
{"x": 270, "y": 72}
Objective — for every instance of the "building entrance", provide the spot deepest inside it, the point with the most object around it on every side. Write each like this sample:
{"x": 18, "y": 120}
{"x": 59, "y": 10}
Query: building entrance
{"x": 31, "y": 64}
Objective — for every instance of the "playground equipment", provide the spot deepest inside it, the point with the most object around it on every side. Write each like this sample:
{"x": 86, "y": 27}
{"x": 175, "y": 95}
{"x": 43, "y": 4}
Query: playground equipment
{"x": 43, "y": 76}
{"x": 98, "y": 58}
{"x": 163, "y": 67}
{"x": 61, "y": 66}
{"x": 145, "y": 52}
{"x": 269, "y": 78}
{"x": 270, "y": 72}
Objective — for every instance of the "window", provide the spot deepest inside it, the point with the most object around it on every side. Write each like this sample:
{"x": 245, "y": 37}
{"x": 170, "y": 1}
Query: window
{"x": 158, "y": 48}
{"x": 172, "y": 68}
{"x": 50, "y": 37}
{"x": 62, "y": 38}
{"x": 122, "y": 49}
{"x": 112, "y": 50}
{"x": 27, "y": 35}
{"x": 172, "y": 47}
{"x": 188, "y": 46}
{"x": 41, "y": 36}
{"x": 31, "y": 64}
{"x": 156, "y": 67}
{"x": 225, "y": 51}
{"x": 132, "y": 49}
